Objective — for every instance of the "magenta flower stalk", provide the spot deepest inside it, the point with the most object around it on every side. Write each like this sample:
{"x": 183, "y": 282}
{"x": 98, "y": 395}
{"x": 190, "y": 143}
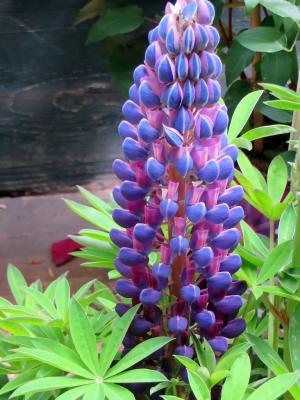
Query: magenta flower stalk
{"x": 176, "y": 197}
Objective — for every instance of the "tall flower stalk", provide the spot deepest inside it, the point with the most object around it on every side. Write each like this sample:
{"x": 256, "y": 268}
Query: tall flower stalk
{"x": 176, "y": 197}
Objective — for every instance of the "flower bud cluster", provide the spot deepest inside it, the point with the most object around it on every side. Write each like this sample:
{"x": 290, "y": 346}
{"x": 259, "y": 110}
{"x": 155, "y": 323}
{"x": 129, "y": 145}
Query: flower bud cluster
{"x": 175, "y": 195}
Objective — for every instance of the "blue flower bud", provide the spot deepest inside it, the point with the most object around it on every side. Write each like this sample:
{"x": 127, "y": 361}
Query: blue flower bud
{"x": 132, "y": 112}
{"x": 206, "y": 12}
{"x": 188, "y": 40}
{"x": 139, "y": 73}
{"x": 207, "y": 64}
{"x": 221, "y": 123}
{"x": 164, "y": 26}
{"x": 123, "y": 269}
{"x": 120, "y": 238}
{"x": 185, "y": 351}
{"x": 190, "y": 10}
{"x": 231, "y": 264}
{"x": 179, "y": 245}
{"x": 210, "y": 172}
{"x": 184, "y": 164}
{"x": 227, "y": 239}
{"x": 173, "y": 41}
{"x": 168, "y": 208}
{"x": 231, "y": 151}
{"x": 226, "y": 167}
{"x": 150, "y": 297}
{"x": 229, "y": 304}
{"x": 123, "y": 171}
{"x": 166, "y": 70}
{"x": 214, "y": 92}
{"x": 218, "y": 214}
{"x": 147, "y": 97}
{"x": 132, "y": 191}
{"x": 119, "y": 198}
{"x": 134, "y": 94}
{"x": 203, "y": 256}
{"x": 201, "y": 38}
{"x": 126, "y": 129}
{"x": 147, "y": 133}
{"x": 219, "y": 281}
{"x": 154, "y": 169}
{"x": 126, "y": 288}
{"x": 173, "y": 137}
{"x": 232, "y": 196}
{"x": 122, "y": 309}
{"x": 153, "y": 35}
{"x": 129, "y": 341}
{"x": 203, "y": 127}
{"x": 124, "y": 218}
{"x": 144, "y": 233}
{"x": 140, "y": 326}
{"x": 188, "y": 94}
{"x": 131, "y": 257}
{"x": 133, "y": 150}
{"x": 182, "y": 67}
{"x": 196, "y": 212}
{"x": 177, "y": 325}
{"x": 235, "y": 216}
{"x": 201, "y": 93}
{"x": 183, "y": 120}
{"x": 234, "y": 328}
{"x": 162, "y": 271}
{"x": 173, "y": 97}
{"x": 153, "y": 53}
{"x": 237, "y": 288}
{"x": 218, "y": 67}
{"x": 219, "y": 344}
{"x": 205, "y": 319}
{"x": 190, "y": 293}
{"x": 214, "y": 38}
{"x": 194, "y": 67}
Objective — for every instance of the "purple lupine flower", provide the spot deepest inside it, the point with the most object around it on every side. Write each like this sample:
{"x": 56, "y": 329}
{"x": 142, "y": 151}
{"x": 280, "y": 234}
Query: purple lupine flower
{"x": 178, "y": 172}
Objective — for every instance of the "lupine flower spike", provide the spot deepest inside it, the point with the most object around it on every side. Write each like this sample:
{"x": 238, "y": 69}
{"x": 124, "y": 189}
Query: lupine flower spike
{"x": 176, "y": 197}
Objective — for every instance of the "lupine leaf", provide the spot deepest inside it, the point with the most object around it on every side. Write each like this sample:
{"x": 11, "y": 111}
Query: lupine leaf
{"x": 267, "y": 131}
{"x": 18, "y": 381}
{"x": 287, "y": 225}
{"x": 236, "y": 384}
{"x": 253, "y": 240}
{"x": 281, "y": 92}
{"x": 263, "y": 39}
{"x": 237, "y": 59}
{"x": 83, "y": 337}
{"x": 242, "y": 114}
{"x": 170, "y": 398}
{"x": 94, "y": 392}
{"x": 284, "y": 105}
{"x": 283, "y": 8}
{"x": 116, "y": 392}
{"x": 62, "y": 297}
{"x": 275, "y": 387}
{"x": 138, "y": 353}
{"x": 42, "y": 301}
{"x": 137, "y": 375}
{"x": 198, "y": 386}
{"x": 112, "y": 343}
{"x": 74, "y": 394}
{"x": 16, "y": 282}
{"x": 277, "y": 179}
{"x": 294, "y": 337}
{"x": 252, "y": 173}
{"x": 96, "y": 201}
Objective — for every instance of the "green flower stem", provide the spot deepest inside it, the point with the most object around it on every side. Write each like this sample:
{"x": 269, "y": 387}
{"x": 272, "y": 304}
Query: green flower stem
{"x": 273, "y": 328}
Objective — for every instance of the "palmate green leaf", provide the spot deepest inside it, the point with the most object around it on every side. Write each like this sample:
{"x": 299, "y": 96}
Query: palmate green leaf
{"x": 96, "y": 202}
{"x": 294, "y": 337}
{"x": 105, "y": 292}
{"x": 137, "y": 375}
{"x": 92, "y": 215}
{"x": 41, "y": 300}
{"x": 16, "y": 282}
{"x": 288, "y": 282}
{"x": 287, "y": 225}
{"x": 282, "y": 73}
{"x": 252, "y": 240}
{"x": 267, "y": 131}
{"x": 116, "y": 392}
{"x": 189, "y": 363}
{"x": 277, "y": 179}
{"x": 237, "y": 59}
{"x": 105, "y": 264}
{"x": 93, "y": 243}
{"x": 275, "y": 387}
{"x": 227, "y": 360}
{"x": 95, "y": 234}
{"x": 277, "y": 291}
{"x": 236, "y": 384}
{"x": 243, "y": 143}
{"x": 62, "y": 297}
{"x": 94, "y": 392}
{"x": 279, "y": 258}
{"x": 282, "y": 8}
{"x": 76, "y": 393}
{"x": 14, "y": 328}
{"x": 242, "y": 114}
{"x": 250, "y": 5}
{"x": 90, "y": 10}
{"x": 198, "y": 386}
{"x": 84, "y": 289}
{"x": 83, "y": 336}
{"x": 112, "y": 343}
{"x": 253, "y": 175}
{"x": 138, "y": 353}
{"x": 48, "y": 384}
{"x": 218, "y": 377}
{"x": 284, "y": 105}
{"x": 170, "y": 397}
{"x": 115, "y": 22}
{"x": 281, "y": 92}
{"x": 263, "y": 39}
{"x": 18, "y": 381}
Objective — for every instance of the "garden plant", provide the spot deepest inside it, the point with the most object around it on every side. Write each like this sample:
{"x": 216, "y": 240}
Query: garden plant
{"x": 202, "y": 306}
